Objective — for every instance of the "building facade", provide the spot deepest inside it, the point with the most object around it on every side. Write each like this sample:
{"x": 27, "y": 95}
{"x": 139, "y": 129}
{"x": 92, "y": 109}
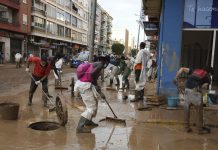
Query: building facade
{"x": 103, "y": 31}
{"x": 14, "y": 27}
{"x": 190, "y": 40}
{"x": 58, "y": 25}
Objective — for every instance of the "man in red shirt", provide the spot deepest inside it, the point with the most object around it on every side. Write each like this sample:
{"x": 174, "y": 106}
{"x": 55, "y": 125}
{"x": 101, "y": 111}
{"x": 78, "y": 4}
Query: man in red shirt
{"x": 40, "y": 75}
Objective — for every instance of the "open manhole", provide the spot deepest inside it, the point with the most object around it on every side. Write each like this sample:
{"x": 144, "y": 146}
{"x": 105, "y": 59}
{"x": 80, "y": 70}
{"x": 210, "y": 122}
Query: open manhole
{"x": 44, "y": 126}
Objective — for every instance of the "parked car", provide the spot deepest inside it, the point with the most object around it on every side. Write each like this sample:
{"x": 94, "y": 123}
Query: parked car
{"x": 80, "y": 58}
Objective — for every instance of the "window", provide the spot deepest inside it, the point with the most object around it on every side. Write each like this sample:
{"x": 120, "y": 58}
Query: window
{"x": 84, "y": 38}
{"x": 74, "y": 35}
{"x": 61, "y": 2}
{"x": 39, "y": 22}
{"x": 67, "y": 18}
{"x": 60, "y": 15}
{"x": 51, "y": 27}
{"x": 60, "y": 30}
{"x": 67, "y": 32}
{"x": 24, "y": 19}
{"x": 51, "y": 11}
{"x": 38, "y": 4}
{"x": 84, "y": 25}
{"x": 68, "y": 4}
{"x": 79, "y": 37}
{"x": 79, "y": 23}
{"x": 74, "y": 21}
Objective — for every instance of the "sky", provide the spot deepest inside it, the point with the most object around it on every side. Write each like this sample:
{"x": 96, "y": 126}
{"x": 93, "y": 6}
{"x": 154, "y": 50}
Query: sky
{"x": 124, "y": 13}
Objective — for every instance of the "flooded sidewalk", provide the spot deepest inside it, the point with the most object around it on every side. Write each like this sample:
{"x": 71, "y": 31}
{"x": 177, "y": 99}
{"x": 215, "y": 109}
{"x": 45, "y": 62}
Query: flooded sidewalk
{"x": 156, "y": 129}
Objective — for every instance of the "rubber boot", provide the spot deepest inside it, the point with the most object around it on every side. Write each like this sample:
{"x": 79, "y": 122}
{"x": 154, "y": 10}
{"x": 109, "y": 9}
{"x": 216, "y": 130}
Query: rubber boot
{"x": 45, "y": 100}
{"x": 81, "y": 126}
{"x": 30, "y": 99}
{"x": 137, "y": 96}
{"x": 118, "y": 82}
{"x": 91, "y": 123}
{"x": 111, "y": 83}
{"x": 142, "y": 94}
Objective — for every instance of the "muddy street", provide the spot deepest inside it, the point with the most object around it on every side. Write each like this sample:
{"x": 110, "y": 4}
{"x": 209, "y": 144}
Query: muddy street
{"x": 157, "y": 129}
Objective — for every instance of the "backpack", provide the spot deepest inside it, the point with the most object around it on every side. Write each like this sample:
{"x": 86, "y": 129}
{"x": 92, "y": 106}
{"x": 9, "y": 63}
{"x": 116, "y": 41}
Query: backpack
{"x": 199, "y": 74}
{"x": 83, "y": 72}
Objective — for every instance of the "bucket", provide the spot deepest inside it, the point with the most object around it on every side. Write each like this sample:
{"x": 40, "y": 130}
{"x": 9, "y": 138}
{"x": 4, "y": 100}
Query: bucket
{"x": 9, "y": 111}
{"x": 172, "y": 101}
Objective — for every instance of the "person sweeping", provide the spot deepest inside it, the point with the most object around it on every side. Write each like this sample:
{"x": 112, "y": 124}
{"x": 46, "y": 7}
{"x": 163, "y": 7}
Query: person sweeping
{"x": 198, "y": 81}
{"x": 40, "y": 75}
{"x": 90, "y": 92}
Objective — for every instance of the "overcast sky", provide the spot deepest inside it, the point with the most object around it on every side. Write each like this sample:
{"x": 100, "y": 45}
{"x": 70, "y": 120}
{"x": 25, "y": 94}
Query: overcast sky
{"x": 124, "y": 13}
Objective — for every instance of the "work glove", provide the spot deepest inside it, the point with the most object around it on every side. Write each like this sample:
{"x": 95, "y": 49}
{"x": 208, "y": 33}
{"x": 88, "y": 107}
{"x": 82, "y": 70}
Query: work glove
{"x": 27, "y": 70}
{"x": 37, "y": 82}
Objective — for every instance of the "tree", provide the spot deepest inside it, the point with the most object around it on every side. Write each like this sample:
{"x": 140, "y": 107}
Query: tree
{"x": 117, "y": 48}
{"x": 134, "y": 52}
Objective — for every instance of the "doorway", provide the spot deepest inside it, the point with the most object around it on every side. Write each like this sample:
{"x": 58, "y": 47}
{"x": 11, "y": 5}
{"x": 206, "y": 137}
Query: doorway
{"x": 197, "y": 50}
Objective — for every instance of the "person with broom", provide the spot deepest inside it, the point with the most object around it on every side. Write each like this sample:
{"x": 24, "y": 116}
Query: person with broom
{"x": 40, "y": 75}
{"x": 87, "y": 86}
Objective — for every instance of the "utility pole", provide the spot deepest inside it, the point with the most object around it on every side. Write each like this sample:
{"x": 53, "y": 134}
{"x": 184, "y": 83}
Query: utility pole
{"x": 138, "y": 37}
{"x": 92, "y": 29}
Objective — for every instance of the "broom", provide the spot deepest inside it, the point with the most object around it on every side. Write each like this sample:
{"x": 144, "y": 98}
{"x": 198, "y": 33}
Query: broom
{"x": 115, "y": 118}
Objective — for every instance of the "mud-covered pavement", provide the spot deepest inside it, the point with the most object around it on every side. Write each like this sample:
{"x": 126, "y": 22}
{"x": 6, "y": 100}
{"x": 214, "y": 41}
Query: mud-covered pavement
{"x": 141, "y": 132}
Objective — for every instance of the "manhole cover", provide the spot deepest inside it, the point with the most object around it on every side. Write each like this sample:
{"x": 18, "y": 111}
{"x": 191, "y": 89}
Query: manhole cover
{"x": 44, "y": 126}
{"x": 61, "y": 110}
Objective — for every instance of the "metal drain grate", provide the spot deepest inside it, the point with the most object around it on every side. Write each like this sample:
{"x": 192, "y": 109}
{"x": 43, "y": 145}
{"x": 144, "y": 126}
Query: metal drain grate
{"x": 44, "y": 126}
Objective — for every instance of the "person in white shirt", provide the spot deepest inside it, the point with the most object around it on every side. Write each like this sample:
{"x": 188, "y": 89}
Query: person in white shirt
{"x": 140, "y": 72}
{"x": 18, "y": 57}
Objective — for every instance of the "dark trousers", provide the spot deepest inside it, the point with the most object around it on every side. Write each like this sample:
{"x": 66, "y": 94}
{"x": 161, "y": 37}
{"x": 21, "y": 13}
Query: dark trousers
{"x": 33, "y": 88}
{"x": 137, "y": 75}
{"x": 195, "y": 99}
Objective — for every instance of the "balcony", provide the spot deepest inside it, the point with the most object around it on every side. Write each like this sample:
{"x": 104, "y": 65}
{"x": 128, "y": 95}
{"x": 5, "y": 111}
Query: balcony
{"x": 11, "y": 26}
{"x": 15, "y": 4}
{"x": 38, "y": 11}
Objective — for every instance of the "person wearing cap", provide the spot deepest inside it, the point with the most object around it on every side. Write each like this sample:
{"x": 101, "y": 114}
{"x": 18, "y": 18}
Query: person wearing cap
{"x": 90, "y": 92}
{"x": 39, "y": 75}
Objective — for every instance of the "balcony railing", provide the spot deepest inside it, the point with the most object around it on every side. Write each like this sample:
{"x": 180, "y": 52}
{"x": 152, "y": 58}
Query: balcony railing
{"x": 6, "y": 21}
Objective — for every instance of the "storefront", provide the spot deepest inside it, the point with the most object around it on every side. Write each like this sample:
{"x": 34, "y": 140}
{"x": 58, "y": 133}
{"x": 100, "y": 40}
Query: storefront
{"x": 187, "y": 38}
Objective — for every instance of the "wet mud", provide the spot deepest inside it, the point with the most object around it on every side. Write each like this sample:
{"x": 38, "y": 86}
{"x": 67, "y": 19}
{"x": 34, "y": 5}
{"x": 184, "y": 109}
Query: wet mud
{"x": 148, "y": 130}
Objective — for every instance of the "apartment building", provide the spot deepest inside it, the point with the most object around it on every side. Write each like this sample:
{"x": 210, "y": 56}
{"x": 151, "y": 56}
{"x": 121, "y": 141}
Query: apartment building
{"x": 58, "y": 25}
{"x": 14, "y": 27}
{"x": 103, "y": 31}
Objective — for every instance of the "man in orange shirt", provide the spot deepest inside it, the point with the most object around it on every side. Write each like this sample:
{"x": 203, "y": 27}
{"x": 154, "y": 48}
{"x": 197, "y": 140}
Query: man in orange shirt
{"x": 40, "y": 75}
{"x": 140, "y": 72}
